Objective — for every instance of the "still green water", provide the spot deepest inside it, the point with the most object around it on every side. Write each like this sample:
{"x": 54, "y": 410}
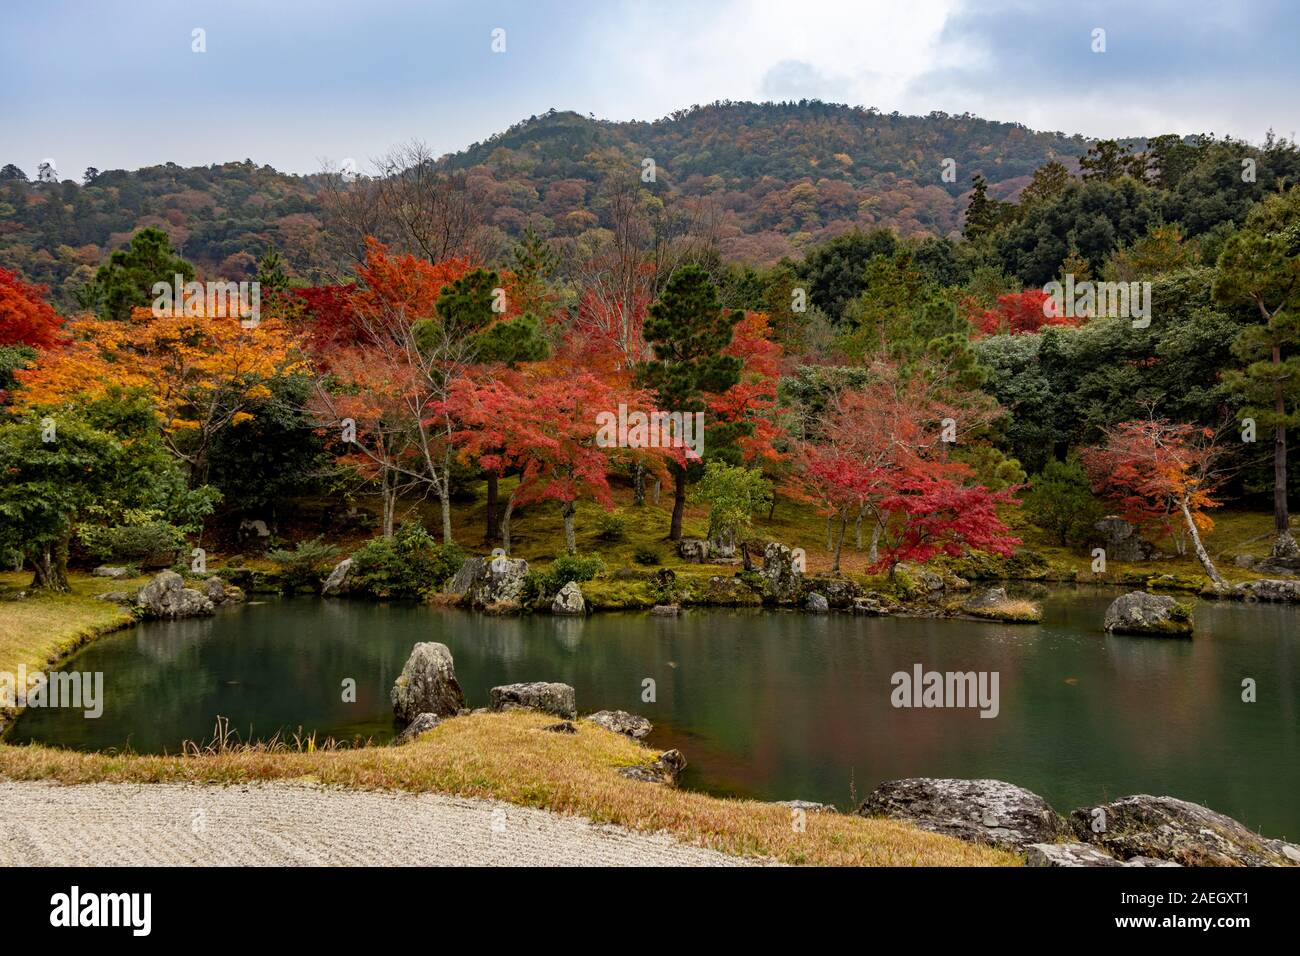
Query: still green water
{"x": 773, "y": 705}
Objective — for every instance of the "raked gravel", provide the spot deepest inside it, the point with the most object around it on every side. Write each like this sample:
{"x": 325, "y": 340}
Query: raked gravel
{"x": 277, "y": 824}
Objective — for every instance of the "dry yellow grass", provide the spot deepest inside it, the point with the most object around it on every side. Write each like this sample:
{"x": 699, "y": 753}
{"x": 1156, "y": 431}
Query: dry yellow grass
{"x": 511, "y": 757}
{"x": 1013, "y": 611}
{"x": 40, "y": 629}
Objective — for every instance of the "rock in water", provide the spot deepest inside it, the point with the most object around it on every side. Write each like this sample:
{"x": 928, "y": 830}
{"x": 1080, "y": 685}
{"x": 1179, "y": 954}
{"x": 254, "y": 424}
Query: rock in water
{"x": 498, "y": 581}
{"x": 1141, "y": 613}
{"x": 569, "y": 601}
{"x": 817, "y": 603}
{"x": 557, "y": 699}
{"x": 1165, "y": 828}
{"x": 422, "y": 723}
{"x": 1269, "y": 589}
{"x": 167, "y": 597}
{"x": 989, "y": 597}
{"x": 427, "y": 684}
{"x": 979, "y": 811}
{"x": 781, "y": 582}
{"x": 219, "y": 592}
{"x": 621, "y": 722}
{"x": 337, "y": 582}
{"x": 665, "y": 610}
{"x": 464, "y": 579}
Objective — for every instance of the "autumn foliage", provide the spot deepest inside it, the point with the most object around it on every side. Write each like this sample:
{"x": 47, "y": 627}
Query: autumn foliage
{"x": 25, "y": 317}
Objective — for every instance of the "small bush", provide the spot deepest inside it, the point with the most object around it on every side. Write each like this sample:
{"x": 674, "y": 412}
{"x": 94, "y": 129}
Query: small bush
{"x": 611, "y": 525}
{"x": 411, "y": 564}
{"x": 544, "y": 585}
{"x": 302, "y": 568}
{"x": 132, "y": 542}
{"x": 647, "y": 555}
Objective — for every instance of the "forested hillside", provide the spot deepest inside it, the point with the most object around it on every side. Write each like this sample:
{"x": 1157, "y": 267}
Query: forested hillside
{"x": 778, "y": 177}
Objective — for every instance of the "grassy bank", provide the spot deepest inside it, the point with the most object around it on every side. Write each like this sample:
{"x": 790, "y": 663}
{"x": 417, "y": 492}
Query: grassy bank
{"x": 41, "y": 628}
{"x": 511, "y": 757}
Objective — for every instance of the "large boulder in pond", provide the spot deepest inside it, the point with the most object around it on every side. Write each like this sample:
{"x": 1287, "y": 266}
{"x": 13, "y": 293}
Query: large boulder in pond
{"x": 338, "y": 580}
{"x": 427, "y": 684}
{"x": 465, "y": 577}
{"x": 1165, "y": 828}
{"x": 499, "y": 580}
{"x": 569, "y": 601}
{"x": 166, "y": 597}
{"x": 1140, "y": 612}
{"x": 979, "y": 811}
{"x": 549, "y": 698}
{"x": 782, "y": 581}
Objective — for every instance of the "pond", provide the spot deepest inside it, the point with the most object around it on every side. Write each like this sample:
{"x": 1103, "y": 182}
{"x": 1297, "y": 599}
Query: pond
{"x": 771, "y": 705}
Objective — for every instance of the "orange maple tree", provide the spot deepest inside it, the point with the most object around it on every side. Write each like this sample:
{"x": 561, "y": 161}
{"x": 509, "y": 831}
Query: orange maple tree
{"x": 202, "y": 374}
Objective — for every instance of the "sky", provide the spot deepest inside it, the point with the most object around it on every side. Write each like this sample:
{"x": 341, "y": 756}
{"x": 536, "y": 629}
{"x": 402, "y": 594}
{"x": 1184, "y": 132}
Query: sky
{"x": 302, "y": 86}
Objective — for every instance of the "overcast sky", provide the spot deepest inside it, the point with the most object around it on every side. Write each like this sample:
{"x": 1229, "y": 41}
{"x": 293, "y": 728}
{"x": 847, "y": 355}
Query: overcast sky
{"x": 116, "y": 84}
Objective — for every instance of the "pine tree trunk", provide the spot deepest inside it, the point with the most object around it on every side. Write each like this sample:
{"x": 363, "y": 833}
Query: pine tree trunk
{"x": 638, "y": 484}
{"x": 679, "y": 504}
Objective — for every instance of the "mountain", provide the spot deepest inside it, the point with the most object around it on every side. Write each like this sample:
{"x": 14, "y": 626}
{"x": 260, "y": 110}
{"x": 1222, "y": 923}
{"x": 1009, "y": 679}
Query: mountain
{"x": 779, "y": 175}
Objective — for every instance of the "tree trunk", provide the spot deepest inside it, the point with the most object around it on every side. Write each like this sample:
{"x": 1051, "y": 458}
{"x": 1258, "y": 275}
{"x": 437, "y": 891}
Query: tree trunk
{"x": 772, "y": 510}
{"x": 857, "y": 528}
{"x": 50, "y": 567}
{"x": 390, "y": 502}
{"x": 839, "y": 543}
{"x": 444, "y": 499}
{"x": 658, "y": 487}
{"x": 570, "y": 538}
{"x": 830, "y": 541}
{"x": 1201, "y": 554}
{"x": 744, "y": 553}
{"x": 490, "y": 532}
{"x": 505, "y": 521}
{"x": 873, "y": 555}
{"x": 1281, "y": 518}
{"x": 638, "y": 483}
{"x": 679, "y": 504}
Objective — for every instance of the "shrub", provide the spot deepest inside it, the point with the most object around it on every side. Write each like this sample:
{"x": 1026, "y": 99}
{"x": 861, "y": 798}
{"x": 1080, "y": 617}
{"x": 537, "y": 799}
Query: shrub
{"x": 132, "y": 543}
{"x": 647, "y": 555}
{"x": 1061, "y": 502}
{"x": 611, "y": 525}
{"x": 302, "y": 568}
{"x": 411, "y": 564}
{"x": 544, "y": 585}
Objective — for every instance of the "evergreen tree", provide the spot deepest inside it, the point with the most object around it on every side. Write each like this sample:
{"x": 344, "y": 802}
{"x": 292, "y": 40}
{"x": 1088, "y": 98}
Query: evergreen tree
{"x": 689, "y": 331}
{"x": 1260, "y": 268}
{"x": 126, "y": 281}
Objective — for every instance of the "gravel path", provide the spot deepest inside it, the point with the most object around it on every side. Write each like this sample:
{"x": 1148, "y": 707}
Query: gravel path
{"x": 290, "y": 825}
